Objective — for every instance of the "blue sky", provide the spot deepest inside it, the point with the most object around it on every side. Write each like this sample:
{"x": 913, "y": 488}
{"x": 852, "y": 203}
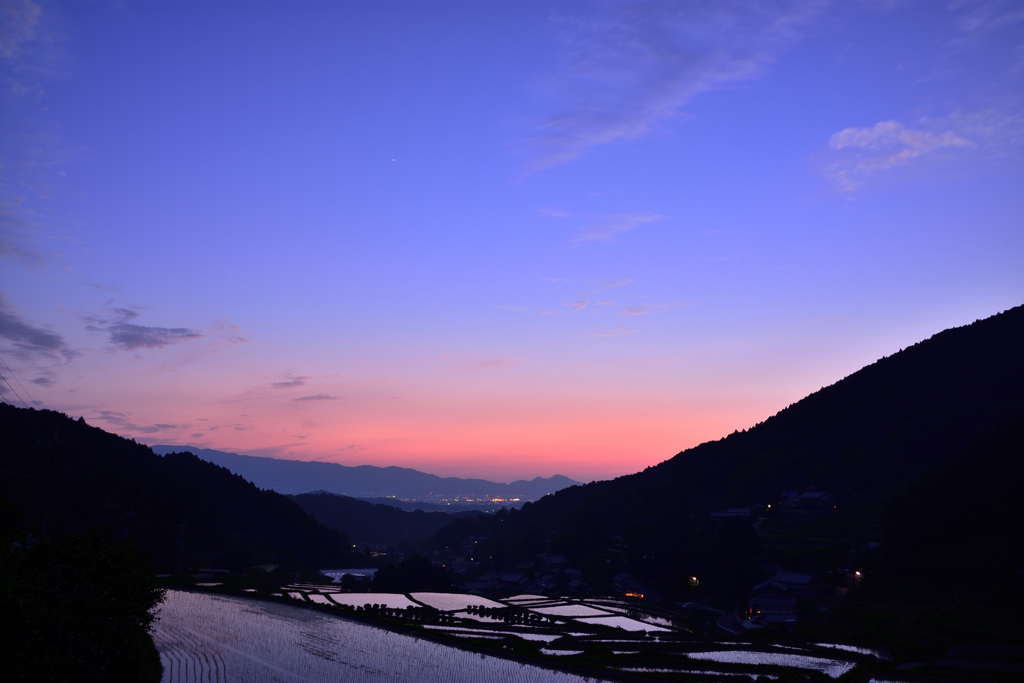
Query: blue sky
{"x": 492, "y": 239}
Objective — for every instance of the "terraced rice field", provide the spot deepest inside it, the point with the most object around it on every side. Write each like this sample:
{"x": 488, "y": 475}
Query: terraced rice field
{"x": 448, "y": 602}
{"x": 389, "y": 600}
{"x": 205, "y": 637}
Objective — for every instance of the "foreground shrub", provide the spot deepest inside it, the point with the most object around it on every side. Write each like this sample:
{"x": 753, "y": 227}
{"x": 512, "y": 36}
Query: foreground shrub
{"x": 77, "y": 608}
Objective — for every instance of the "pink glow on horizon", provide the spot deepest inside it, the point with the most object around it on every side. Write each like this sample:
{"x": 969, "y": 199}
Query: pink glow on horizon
{"x": 496, "y": 239}
{"x": 583, "y": 447}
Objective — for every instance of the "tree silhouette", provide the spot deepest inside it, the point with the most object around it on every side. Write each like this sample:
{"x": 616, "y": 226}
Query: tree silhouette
{"x": 77, "y": 608}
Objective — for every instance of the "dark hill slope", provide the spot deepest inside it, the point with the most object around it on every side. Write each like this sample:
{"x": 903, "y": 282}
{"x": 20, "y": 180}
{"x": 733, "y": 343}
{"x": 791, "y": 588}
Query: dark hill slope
{"x": 886, "y": 423}
{"x": 375, "y": 523}
{"x": 866, "y": 437}
{"x": 60, "y": 475}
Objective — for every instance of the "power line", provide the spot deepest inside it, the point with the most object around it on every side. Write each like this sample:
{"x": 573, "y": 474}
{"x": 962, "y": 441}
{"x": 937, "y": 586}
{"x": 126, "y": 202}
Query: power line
{"x": 8, "y": 372}
{"x": 12, "y": 391}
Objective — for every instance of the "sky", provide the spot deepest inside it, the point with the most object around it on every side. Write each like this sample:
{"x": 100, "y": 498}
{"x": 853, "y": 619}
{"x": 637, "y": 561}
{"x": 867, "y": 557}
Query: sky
{"x": 493, "y": 239}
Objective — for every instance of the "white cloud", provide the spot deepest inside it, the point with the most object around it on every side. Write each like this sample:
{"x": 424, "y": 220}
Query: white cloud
{"x": 887, "y": 144}
{"x": 889, "y": 134}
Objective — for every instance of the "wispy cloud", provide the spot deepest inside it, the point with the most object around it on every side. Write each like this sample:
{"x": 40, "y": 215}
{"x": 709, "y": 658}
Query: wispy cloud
{"x": 637, "y": 310}
{"x": 569, "y": 307}
{"x": 632, "y": 67}
{"x": 974, "y": 116}
{"x": 291, "y": 382}
{"x": 607, "y": 228}
{"x": 497, "y": 362}
{"x": 585, "y": 298}
{"x": 826, "y": 319}
{"x": 474, "y": 362}
{"x": 102, "y": 287}
{"x": 603, "y": 228}
{"x": 18, "y": 19}
{"x": 25, "y": 335}
{"x": 15, "y": 240}
{"x": 885, "y": 145}
{"x": 128, "y": 336}
{"x": 316, "y": 397}
{"x": 976, "y": 21}
{"x": 617, "y": 331}
{"x": 229, "y": 333}
{"x": 124, "y": 423}
{"x": 27, "y": 339}
{"x": 645, "y": 309}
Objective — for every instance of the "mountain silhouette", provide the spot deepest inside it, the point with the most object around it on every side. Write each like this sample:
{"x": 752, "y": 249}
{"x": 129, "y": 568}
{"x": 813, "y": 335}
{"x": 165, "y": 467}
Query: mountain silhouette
{"x": 60, "y": 476}
{"x": 367, "y": 481}
{"x": 862, "y": 444}
{"x": 874, "y": 430}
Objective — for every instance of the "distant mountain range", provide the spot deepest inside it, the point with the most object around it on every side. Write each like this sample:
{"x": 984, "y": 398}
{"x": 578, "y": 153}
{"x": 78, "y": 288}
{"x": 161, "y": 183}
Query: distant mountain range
{"x": 367, "y": 481}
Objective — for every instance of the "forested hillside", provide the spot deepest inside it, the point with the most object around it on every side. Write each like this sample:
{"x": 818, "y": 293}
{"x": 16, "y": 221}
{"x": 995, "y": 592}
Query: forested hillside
{"x": 61, "y": 475}
{"x": 882, "y": 446}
